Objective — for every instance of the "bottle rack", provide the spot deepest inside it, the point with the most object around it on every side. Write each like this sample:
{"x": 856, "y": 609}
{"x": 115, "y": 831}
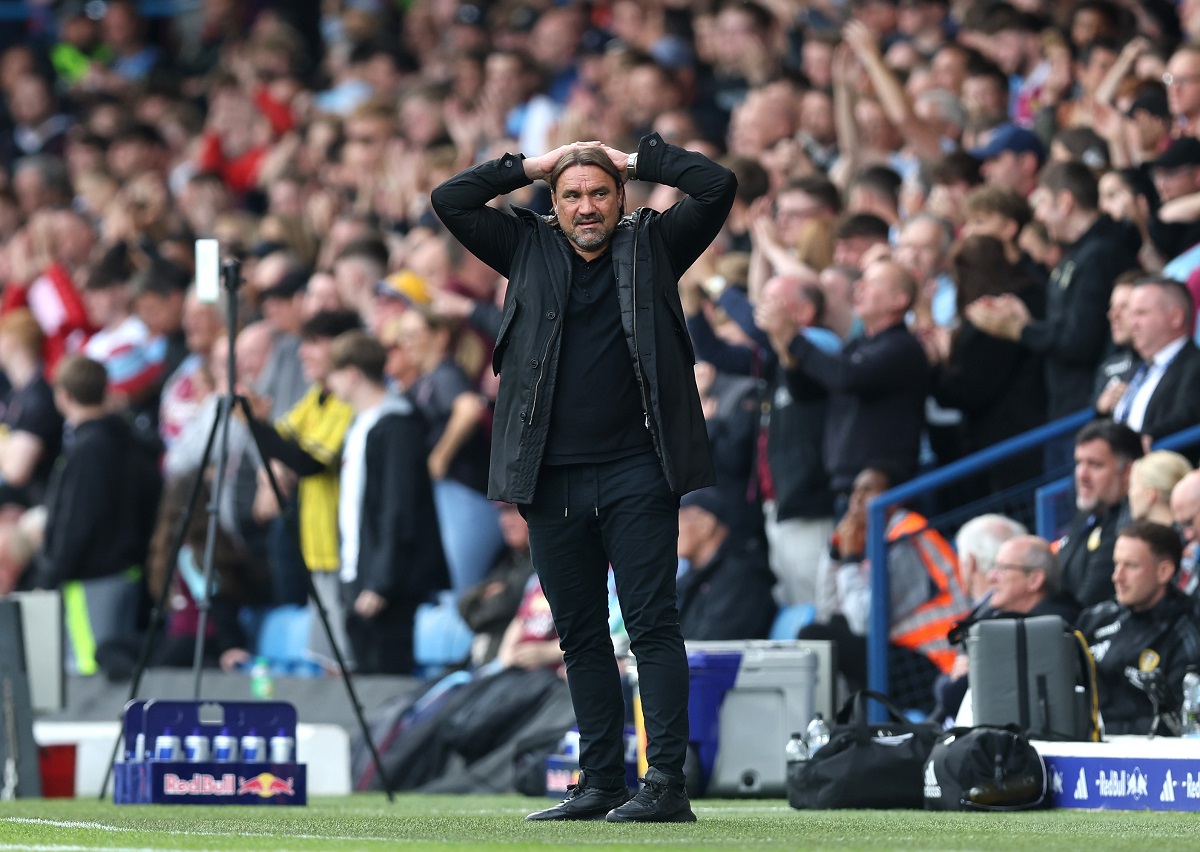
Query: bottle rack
{"x": 156, "y": 768}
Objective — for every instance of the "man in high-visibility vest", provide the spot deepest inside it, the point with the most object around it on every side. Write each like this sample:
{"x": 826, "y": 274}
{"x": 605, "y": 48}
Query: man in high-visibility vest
{"x": 927, "y": 597}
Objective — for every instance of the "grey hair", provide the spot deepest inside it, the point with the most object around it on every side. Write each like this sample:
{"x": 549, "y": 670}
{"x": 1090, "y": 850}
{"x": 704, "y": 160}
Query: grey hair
{"x": 982, "y": 536}
{"x": 1039, "y": 557}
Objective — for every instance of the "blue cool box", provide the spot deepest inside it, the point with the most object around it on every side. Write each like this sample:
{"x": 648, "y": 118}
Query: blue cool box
{"x": 177, "y": 782}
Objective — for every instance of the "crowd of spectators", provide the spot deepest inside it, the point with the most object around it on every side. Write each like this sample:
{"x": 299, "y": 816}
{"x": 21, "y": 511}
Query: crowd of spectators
{"x": 955, "y": 221}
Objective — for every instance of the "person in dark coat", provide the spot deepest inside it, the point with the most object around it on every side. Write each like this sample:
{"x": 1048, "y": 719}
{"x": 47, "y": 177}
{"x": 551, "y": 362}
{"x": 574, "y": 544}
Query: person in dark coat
{"x": 1074, "y": 334}
{"x": 1144, "y": 640}
{"x": 1160, "y": 395}
{"x": 392, "y": 557}
{"x": 877, "y": 383}
{"x": 598, "y": 427}
{"x": 100, "y": 507}
{"x": 725, "y": 593}
{"x": 1104, "y": 453}
{"x": 997, "y": 384}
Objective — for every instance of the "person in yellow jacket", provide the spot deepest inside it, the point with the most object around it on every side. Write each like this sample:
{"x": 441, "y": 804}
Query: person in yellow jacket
{"x": 308, "y": 440}
{"x": 926, "y": 591}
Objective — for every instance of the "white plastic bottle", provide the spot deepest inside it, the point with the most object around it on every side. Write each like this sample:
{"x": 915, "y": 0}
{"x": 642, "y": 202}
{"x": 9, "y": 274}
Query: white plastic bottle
{"x": 817, "y": 734}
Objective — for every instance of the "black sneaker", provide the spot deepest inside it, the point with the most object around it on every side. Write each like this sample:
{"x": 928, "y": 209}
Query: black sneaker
{"x": 582, "y": 803}
{"x": 659, "y": 800}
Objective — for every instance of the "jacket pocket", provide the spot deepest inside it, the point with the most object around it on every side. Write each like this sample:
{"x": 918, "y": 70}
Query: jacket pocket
{"x": 502, "y": 336}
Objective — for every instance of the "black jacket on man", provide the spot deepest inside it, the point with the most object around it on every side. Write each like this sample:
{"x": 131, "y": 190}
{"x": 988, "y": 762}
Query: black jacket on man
{"x": 1127, "y": 644}
{"x": 877, "y": 388}
{"x": 795, "y": 422}
{"x": 730, "y": 597}
{"x": 1086, "y": 553}
{"x": 1075, "y": 332}
{"x": 650, "y": 251}
{"x": 400, "y": 555}
{"x": 101, "y": 504}
{"x": 1175, "y": 403}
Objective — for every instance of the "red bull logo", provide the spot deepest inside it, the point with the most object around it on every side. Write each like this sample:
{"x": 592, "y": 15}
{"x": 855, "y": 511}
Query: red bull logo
{"x": 266, "y": 786}
{"x": 198, "y": 785}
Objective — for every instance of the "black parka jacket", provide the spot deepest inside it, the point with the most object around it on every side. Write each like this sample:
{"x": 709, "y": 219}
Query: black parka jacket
{"x": 650, "y": 251}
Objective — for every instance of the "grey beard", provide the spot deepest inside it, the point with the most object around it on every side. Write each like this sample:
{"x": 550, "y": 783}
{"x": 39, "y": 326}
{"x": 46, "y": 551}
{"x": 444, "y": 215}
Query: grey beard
{"x": 589, "y": 243}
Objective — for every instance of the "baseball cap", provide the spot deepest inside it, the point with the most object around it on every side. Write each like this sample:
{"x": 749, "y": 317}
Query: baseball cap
{"x": 1010, "y": 137}
{"x": 406, "y": 286}
{"x": 709, "y": 499}
{"x": 1151, "y": 99}
{"x": 1183, "y": 151}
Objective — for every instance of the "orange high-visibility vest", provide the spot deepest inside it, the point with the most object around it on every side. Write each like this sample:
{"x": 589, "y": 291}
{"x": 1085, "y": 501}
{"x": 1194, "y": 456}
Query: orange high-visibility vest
{"x": 924, "y": 629}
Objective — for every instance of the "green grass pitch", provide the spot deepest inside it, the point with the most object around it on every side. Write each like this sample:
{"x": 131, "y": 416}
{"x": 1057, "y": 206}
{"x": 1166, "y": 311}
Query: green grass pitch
{"x": 370, "y": 822}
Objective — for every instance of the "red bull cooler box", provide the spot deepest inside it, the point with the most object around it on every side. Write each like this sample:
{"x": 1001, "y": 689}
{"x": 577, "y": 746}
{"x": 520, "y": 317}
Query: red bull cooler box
{"x": 209, "y": 753}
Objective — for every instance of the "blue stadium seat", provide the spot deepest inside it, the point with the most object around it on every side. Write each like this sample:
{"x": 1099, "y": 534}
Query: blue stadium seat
{"x": 283, "y": 639}
{"x": 790, "y": 619}
{"x": 441, "y": 637}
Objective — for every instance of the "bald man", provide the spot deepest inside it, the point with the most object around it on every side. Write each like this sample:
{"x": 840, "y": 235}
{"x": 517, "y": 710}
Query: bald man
{"x": 877, "y": 383}
{"x": 1185, "y": 507}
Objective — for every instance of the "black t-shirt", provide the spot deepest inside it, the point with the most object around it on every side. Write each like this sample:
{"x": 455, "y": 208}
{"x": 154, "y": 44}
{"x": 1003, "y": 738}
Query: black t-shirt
{"x": 434, "y": 395}
{"x": 31, "y": 409}
{"x": 597, "y": 413}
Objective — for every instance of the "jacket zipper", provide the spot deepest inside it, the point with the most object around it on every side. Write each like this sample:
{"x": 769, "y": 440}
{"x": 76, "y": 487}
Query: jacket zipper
{"x": 541, "y": 372}
{"x": 637, "y": 353}
{"x": 545, "y": 352}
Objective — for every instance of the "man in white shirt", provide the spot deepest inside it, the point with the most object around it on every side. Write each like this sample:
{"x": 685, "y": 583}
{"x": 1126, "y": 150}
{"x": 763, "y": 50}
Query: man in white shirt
{"x": 1159, "y": 396}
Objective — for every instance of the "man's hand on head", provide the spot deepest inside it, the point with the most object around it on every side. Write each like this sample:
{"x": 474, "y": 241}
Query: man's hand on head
{"x": 619, "y": 159}
{"x": 539, "y": 168}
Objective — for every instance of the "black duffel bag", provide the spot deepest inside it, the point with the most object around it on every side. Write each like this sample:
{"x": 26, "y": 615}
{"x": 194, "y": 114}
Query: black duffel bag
{"x": 865, "y": 765}
{"x": 985, "y": 768}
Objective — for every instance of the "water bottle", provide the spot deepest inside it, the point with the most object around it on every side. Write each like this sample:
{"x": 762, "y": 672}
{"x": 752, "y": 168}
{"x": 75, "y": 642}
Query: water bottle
{"x": 817, "y": 734}
{"x": 262, "y": 687}
{"x": 795, "y": 751}
{"x": 1190, "y": 715}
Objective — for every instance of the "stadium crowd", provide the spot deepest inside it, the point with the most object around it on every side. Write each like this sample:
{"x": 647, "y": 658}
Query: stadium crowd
{"x": 955, "y": 221}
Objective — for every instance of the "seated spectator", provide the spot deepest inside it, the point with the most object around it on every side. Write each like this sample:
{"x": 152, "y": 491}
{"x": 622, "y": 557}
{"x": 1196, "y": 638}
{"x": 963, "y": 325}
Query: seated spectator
{"x": 926, "y": 597}
{"x": 725, "y": 592}
{"x": 489, "y": 605}
{"x": 530, "y": 641}
{"x": 32, "y": 427}
{"x": 1185, "y": 510}
{"x": 1104, "y": 452}
{"x": 1144, "y": 640}
{"x": 977, "y": 542}
{"x": 391, "y": 553}
{"x": 239, "y": 580}
{"x": 100, "y": 507}
{"x": 1151, "y": 480}
{"x": 1024, "y": 580}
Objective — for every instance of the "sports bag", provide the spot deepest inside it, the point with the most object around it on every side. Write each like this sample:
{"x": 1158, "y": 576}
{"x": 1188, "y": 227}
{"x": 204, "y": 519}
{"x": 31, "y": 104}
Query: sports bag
{"x": 985, "y": 768}
{"x": 865, "y": 765}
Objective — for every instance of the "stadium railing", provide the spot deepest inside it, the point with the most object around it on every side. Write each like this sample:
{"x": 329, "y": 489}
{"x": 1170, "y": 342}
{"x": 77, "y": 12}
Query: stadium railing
{"x": 923, "y": 488}
{"x": 1052, "y": 501}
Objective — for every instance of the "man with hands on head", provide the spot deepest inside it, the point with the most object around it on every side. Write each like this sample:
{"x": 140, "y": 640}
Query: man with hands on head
{"x": 598, "y": 427}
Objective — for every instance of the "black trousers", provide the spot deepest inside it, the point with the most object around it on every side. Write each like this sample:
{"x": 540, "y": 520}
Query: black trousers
{"x": 584, "y": 517}
{"x": 383, "y": 644}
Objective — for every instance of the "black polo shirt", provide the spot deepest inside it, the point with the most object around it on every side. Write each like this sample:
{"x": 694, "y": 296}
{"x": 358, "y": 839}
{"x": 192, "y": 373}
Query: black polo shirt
{"x": 597, "y": 413}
